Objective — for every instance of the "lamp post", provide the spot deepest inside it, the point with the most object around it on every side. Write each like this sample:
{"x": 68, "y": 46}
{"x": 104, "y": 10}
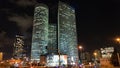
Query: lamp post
{"x": 118, "y": 40}
{"x": 59, "y": 58}
{"x": 118, "y": 56}
{"x": 95, "y": 58}
{"x": 95, "y": 55}
{"x": 80, "y": 52}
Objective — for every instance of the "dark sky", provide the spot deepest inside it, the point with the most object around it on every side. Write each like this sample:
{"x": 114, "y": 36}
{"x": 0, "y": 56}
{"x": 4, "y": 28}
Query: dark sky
{"x": 98, "y": 22}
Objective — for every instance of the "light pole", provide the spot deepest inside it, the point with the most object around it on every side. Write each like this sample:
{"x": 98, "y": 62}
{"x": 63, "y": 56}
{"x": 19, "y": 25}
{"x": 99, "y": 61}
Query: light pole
{"x": 118, "y": 56}
{"x": 95, "y": 55}
{"x": 80, "y": 52}
{"x": 95, "y": 58}
{"x": 59, "y": 58}
{"x": 118, "y": 40}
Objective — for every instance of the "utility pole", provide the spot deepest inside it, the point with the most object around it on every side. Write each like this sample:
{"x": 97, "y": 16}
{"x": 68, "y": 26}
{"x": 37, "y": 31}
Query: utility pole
{"x": 59, "y": 57}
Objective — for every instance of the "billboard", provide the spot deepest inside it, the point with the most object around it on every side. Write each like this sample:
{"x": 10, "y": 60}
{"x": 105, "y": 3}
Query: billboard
{"x": 55, "y": 60}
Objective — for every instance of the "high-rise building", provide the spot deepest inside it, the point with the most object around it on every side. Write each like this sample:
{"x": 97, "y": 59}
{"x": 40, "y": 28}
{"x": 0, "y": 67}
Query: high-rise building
{"x": 57, "y": 32}
{"x": 40, "y": 32}
{"x": 67, "y": 37}
{"x": 18, "y": 47}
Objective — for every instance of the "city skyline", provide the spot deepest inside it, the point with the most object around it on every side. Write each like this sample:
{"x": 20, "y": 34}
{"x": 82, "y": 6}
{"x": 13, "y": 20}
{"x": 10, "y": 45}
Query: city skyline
{"x": 97, "y": 22}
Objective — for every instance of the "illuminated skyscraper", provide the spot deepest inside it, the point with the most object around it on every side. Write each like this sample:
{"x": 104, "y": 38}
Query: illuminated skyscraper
{"x": 40, "y": 32}
{"x": 67, "y": 37}
{"x": 58, "y": 34}
{"x": 18, "y": 47}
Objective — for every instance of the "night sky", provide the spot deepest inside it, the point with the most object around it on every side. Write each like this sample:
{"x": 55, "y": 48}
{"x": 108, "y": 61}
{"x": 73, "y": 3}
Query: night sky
{"x": 98, "y": 22}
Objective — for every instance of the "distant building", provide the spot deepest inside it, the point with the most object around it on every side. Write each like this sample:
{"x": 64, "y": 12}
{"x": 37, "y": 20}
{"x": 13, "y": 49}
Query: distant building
{"x": 18, "y": 47}
{"x": 54, "y": 33}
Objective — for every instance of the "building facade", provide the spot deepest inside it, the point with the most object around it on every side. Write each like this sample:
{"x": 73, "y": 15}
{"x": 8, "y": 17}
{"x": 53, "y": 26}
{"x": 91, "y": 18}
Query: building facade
{"x": 40, "y": 32}
{"x": 18, "y": 47}
{"x": 67, "y": 37}
{"x": 50, "y": 38}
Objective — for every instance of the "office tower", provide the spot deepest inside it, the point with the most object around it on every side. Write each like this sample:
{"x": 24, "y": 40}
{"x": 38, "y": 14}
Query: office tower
{"x": 18, "y": 47}
{"x": 40, "y": 32}
{"x": 67, "y": 37}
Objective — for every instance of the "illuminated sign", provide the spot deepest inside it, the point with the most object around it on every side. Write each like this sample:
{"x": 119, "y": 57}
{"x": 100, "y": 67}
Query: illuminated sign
{"x": 55, "y": 60}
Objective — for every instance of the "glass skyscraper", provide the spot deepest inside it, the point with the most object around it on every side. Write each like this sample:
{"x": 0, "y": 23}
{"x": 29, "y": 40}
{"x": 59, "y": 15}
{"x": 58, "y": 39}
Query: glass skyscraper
{"x": 40, "y": 32}
{"x": 67, "y": 37}
{"x": 50, "y": 37}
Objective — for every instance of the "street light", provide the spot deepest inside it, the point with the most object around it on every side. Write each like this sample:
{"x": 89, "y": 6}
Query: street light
{"x": 95, "y": 54}
{"x": 80, "y": 52}
{"x": 118, "y": 40}
{"x": 95, "y": 58}
{"x": 59, "y": 57}
{"x": 80, "y": 47}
